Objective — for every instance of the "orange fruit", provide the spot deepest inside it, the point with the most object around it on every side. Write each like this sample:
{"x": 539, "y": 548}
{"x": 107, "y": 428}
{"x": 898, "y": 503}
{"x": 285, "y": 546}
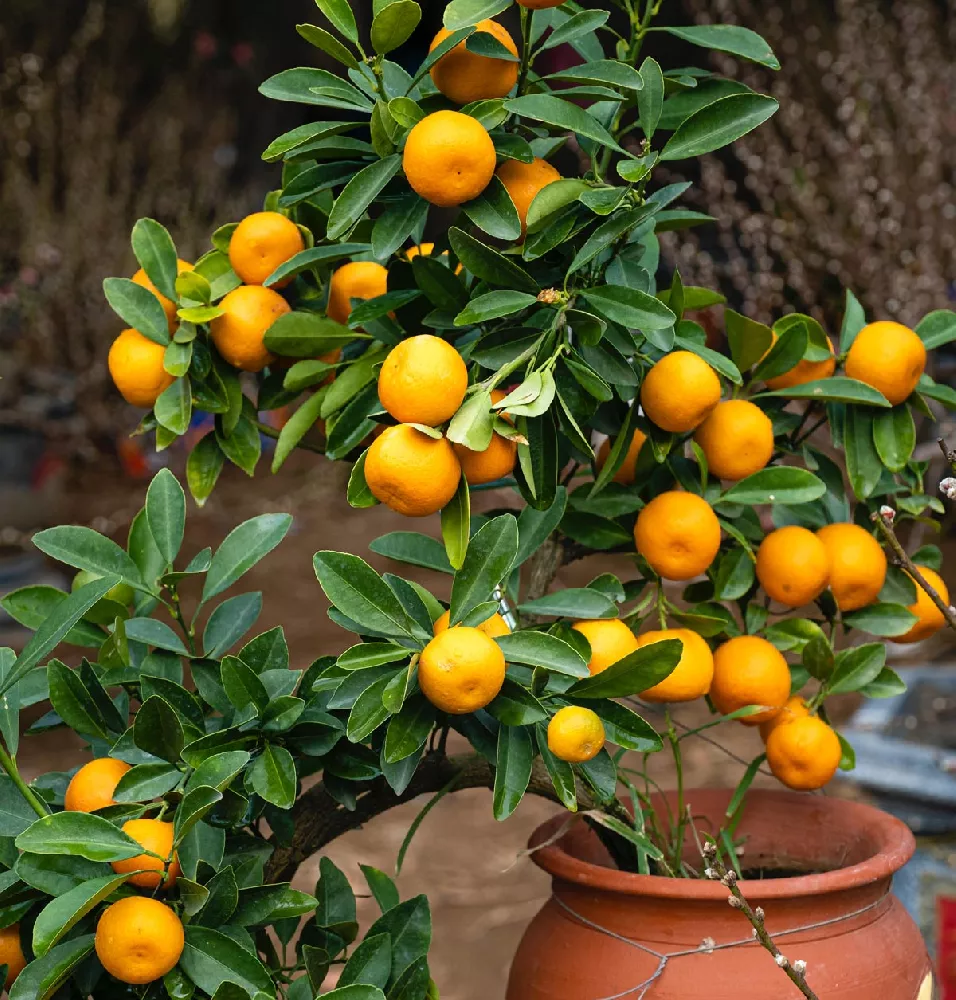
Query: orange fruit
{"x": 930, "y": 618}
{"x": 495, "y": 462}
{"x": 804, "y": 754}
{"x": 792, "y": 566}
{"x": 888, "y": 356}
{"x": 804, "y": 371}
{"x": 136, "y": 367}
{"x": 359, "y": 279}
{"x": 627, "y": 471}
{"x": 680, "y": 391}
{"x": 678, "y": 534}
{"x": 156, "y": 836}
{"x": 748, "y": 670}
{"x": 93, "y": 785}
{"x": 523, "y": 181}
{"x": 857, "y": 565}
{"x": 736, "y": 439}
{"x": 610, "y": 639}
{"x": 461, "y": 670}
{"x": 795, "y": 708}
{"x": 691, "y": 677}
{"x": 239, "y": 334}
{"x": 575, "y": 734}
{"x": 138, "y": 940}
{"x": 411, "y": 472}
{"x": 11, "y": 953}
{"x": 169, "y": 307}
{"x": 449, "y": 158}
{"x": 464, "y": 76}
{"x": 262, "y": 242}
{"x": 423, "y": 381}
{"x": 426, "y": 250}
{"x": 493, "y": 626}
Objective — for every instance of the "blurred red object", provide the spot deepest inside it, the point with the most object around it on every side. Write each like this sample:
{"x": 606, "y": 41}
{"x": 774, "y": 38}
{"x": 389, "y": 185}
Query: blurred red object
{"x": 132, "y": 458}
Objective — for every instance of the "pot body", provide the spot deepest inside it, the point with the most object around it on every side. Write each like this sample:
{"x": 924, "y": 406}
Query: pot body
{"x": 605, "y": 932}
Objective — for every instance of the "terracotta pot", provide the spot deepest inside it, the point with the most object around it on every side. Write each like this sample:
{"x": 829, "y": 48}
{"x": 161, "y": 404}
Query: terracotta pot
{"x": 852, "y": 851}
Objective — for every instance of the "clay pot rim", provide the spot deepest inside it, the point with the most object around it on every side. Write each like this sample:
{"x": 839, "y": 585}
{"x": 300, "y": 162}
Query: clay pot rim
{"x": 895, "y": 846}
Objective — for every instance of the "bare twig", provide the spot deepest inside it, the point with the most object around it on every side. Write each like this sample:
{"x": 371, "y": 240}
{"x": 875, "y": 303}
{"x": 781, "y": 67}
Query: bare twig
{"x": 949, "y": 455}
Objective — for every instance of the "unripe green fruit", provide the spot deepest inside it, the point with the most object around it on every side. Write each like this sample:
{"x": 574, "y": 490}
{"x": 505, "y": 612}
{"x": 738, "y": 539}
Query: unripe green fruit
{"x": 122, "y": 593}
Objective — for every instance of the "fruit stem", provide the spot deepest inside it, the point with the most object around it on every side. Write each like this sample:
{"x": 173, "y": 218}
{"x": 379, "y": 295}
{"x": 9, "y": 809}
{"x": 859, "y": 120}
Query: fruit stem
{"x": 9, "y": 764}
{"x": 527, "y": 19}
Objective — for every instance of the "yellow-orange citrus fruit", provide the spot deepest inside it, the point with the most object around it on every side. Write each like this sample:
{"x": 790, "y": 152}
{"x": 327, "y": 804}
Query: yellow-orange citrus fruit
{"x": 748, "y": 670}
{"x": 169, "y": 307}
{"x": 248, "y": 312}
{"x": 262, "y": 242}
{"x": 449, "y": 158}
{"x": 575, "y": 734}
{"x": 423, "y": 381}
{"x": 795, "y": 708}
{"x": 678, "y": 534}
{"x": 495, "y": 462}
{"x": 610, "y": 639}
{"x": 804, "y": 754}
{"x": 680, "y": 391}
{"x": 929, "y": 618}
{"x": 523, "y": 181}
{"x": 804, "y": 371}
{"x": 461, "y": 670}
{"x": 136, "y": 367}
{"x": 359, "y": 279}
{"x": 11, "y": 953}
{"x": 792, "y": 566}
{"x": 857, "y": 565}
{"x": 694, "y": 672}
{"x": 155, "y": 836}
{"x": 627, "y": 471}
{"x": 493, "y": 626}
{"x": 93, "y": 785}
{"x": 888, "y": 356}
{"x": 411, "y": 472}
{"x": 464, "y": 76}
{"x": 139, "y": 940}
{"x": 736, "y": 439}
{"x": 426, "y": 250}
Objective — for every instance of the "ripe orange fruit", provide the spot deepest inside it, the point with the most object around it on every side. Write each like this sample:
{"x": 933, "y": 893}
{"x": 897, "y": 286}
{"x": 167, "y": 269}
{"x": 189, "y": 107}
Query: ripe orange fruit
{"x": 426, "y": 250}
{"x": 169, "y": 307}
{"x": 792, "y": 566}
{"x": 575, "y": 734}
{"x": 627, "y": 471}
{"x": 239, "y": 333}
{"x": 930, "y": 618}
{"x": 493, "y": 626}
{"x": 461, "y": 670}
{"x": 748, "y": 670}
{"x": 888, "y": 356}
{"x": 156, "y": 836}
{"x": 678, "y": 534}
{"x": 691, "y": 677}
{"x": 136, "y": 367}
{"x": 803, "y": 371}
{"x": 139, "y": 940}
{"x": 736, "y": 439}
{"x": 262, "y": 242}
{"x": 11, "y": 953}
{"x": 523, "y": 181}
{"x": 857, "y": 565}
{"x": 423, "y": 381}
{"x": 795, "y": 708}
{"x": 449, "y": 158}
{"x": 680, "y": 391}
{"x": 93, "y": 785}
{"x": 804, "y": 754}
{"x": 464, "y": 76}
{"x": 495, "y": 462}
{"x": 411, "y": 472}
{"x": 610, "y": 639}
{"x": 359, "y": 279}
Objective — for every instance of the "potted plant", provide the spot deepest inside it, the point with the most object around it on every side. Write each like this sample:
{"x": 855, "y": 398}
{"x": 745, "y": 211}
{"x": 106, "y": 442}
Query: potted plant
{"x": 495, "y": 353}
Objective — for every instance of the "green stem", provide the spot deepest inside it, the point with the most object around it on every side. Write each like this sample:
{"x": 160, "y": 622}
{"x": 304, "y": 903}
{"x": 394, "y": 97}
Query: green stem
{"x": 677, "y": 849}
{"x": 271, "y": 432}
{"x": 188, "y": 632}
{"x": 527, "y": 19}
{"x": 9, "y": 764}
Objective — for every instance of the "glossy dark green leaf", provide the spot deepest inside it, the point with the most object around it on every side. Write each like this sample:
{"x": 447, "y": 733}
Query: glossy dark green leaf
{"x": 544, "y": 651}
{"x": 781, "y": 484}
{"x": 360, "y": 192}
{"x": 211, "y": 958}
{"x": 359, "y": 592}
{"x": 156, "y": 254}
{"x": 488, "y": 264}
{"x": 636, "y": 672}
{"x": 837, "y": 388}
{"x": 76, "y": 833}
{"x": 138, "y": 307}
{"x": 456, "y": 525}
{"x": 718, "y": 124}
{"x": 61, "y": 914}
{"x": 562, "y": 115}
{"x": 881, "y": 619}
{"x": 516, "y": 706}
{"x": 412, "y": 548}
{"x": 158, "y": 731}
{"x": 493, "y": 211}
{"x": 409, "y": 728}
{"x": 490, "y": 556}
{"x": 894, "y": 436}
{"x": 572, "y": 603}
{"x": 732, "y": 38}
{"x": 630, "y": 307}
{"x": 855, "y": 668}
{"x": 242, "y": 548}
{"x": 515, "y": 757}
{"x": 44, "y": 977}
{"x": 273, "y": 777}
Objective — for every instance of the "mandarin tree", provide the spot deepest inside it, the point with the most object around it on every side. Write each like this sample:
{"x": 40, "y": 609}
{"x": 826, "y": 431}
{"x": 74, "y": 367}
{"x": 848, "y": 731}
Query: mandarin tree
{"x": 524, "y": 340}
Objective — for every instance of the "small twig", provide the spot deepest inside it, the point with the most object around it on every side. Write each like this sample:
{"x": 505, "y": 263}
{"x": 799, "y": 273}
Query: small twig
{"x": 715, "y": 870}
{"x": 950, "y": 456}
{"x": 527, "y": 20}
{"x": 9, "y": 764}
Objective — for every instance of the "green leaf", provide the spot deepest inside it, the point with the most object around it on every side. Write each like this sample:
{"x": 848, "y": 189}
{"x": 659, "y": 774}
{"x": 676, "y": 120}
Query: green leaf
{"x": 780, "y": 484}
{"x": 394, "y": 24}
{"x": 626, "y": 728}
{"x": 730, "y": 38}
{"x": 606, "y": 234}
{"x": 369, "y": 710}
{"x": 166, "y": 513}
{"x": 340, "y": 16}
{"x": 456, "y": 524}
{"x": 359, "y": 592}
{"x": 936, "y": 328}
{"x": 59, "y": 916}
{"x": 718, "y": 124}
{"x": 174, "y": 407}
{"x": 203, "y": 467}
{"x": 572, "y": 603}
{"x": 584, "y": 23}
{"x": 361, "y": 191}
{"x": 242, "y": 548}
{"x": 42, "y": 978}
{"x": 73, "y": 703}
{"x": 539, "y": 649}
{"x": 560, "y": 772}
{"x": 371, "y": 654}
{"x": 490, "y": 556}
{"x": 328, "y": 43}
{"x": 603, "y": 71}
{"x": 516, "y": 706}
{"x": 413, "y": 548}
{"x": 881, "y": 619}
{"x": 84, "y": 548}
{"x": 210, "y": 958}
{"x": 146, "y": 781}
{"x": 383, "y": 888}
{"x": 156, "y": 254}
{"x": 863, "y": 464}
{"x": 76, "y": 833}
{"x": 272, "y": 776}
{"x": 857, "y": 667}
{"x": 158, "y": 731}
{"x": 336, "y": 900}
{"x": 630, "y": 307}
{"x": 562, "y": 115}
{"x": 229, "y": 622}
{"x": 464, "y": 13}
{"x": 534, "y": 526}
{"x": 836, "y": 389}
{"x": 410, "y": 929}
{"x": 155, "y": 633}
{"x": 749, "y": 340}
{"x": 494, "y": 212}
{"x": 31, "y": 606}
{"x": 305, "y": 260}
{"x": 16, "y": 814}
{"x": 138, "y": 307}
{"x": 242, "y": 685}
{"x": 636, "y": 672}
{"x": 888, "y": 684}
{"x": 650, "y": 99}
{"x": 513, "y": 772}
{"x": 894, "y": 435}
{"x": 409, "y": 728}
{"x": 488, "y": 264}
{"x": 305, "y": 85}
{"x": 369, "y": 964}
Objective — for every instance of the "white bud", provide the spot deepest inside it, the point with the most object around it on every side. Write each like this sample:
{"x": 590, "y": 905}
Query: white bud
{"x": 759, "y": 914}
{"x": 710, "y": 873}
{"x": 781, "y": 960}
{"x": 887, "y": 513}
{"x": 947, "y": 487}
{"x": 799, "y": 966}
{"x": 734, "y": 902}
